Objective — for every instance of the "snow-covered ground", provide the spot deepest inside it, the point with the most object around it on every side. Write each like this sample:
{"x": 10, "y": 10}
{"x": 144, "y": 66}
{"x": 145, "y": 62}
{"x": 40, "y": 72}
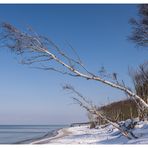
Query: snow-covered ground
{"x": 102, "y": 135}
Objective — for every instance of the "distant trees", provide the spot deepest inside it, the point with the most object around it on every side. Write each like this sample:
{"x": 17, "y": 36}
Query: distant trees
{"x": 120, "y": 110}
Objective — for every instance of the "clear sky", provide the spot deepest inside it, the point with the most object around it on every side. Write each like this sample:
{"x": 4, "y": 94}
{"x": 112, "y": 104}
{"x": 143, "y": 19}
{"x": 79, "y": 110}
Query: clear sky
{"x": 98, "y": 32}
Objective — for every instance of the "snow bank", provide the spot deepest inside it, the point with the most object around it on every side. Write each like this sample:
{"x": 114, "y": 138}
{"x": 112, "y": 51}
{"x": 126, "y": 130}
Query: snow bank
{"x": 103, "y": 135}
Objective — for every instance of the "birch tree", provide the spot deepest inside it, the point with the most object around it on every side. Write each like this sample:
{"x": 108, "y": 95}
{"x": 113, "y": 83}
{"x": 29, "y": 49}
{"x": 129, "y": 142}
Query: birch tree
{"x": 39, "y": 50}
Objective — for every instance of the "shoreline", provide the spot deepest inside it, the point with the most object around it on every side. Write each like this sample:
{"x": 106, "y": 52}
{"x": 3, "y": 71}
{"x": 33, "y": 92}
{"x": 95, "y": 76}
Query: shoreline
{"x": 99, "y": 135}
{"x": 47, "y": 135}
{"x": 60, "y": 133}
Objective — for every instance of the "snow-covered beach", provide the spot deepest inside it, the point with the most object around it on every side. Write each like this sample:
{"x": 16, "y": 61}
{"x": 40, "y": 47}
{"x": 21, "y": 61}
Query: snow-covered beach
{"x": 102, "y": 135}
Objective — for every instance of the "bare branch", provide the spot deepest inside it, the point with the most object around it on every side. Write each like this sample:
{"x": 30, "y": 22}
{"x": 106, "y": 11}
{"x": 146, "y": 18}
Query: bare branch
{"x": 43, "y": 67}
{"x": 20, "y": 42}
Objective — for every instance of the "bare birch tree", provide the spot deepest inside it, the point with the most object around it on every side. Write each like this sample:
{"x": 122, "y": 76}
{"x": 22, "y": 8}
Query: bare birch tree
{"x": 40, "y": 50}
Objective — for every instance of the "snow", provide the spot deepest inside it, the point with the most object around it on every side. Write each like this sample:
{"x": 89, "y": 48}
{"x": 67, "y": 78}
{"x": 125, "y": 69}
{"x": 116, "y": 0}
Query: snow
{"x": 103, "y": 135}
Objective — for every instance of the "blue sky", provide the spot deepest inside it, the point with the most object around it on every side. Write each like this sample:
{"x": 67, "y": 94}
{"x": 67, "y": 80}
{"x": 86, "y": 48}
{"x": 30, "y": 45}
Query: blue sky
{"x": 98, "y": 32}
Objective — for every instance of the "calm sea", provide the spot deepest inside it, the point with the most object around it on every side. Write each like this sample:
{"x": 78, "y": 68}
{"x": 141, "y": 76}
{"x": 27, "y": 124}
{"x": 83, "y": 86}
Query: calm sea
{"x": 23, "y": 134}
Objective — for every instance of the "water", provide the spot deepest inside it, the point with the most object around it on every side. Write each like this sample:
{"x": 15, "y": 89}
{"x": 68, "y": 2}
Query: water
{"x": 13, "y": 134}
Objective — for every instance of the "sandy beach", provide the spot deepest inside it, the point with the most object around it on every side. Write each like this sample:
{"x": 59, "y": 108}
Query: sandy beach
{"x": 61, "y": 133}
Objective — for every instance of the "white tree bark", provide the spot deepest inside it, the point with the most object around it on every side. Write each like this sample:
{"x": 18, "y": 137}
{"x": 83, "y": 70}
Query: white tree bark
{"x": 22, "y": 43}
{"x": 96, "y": 78}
